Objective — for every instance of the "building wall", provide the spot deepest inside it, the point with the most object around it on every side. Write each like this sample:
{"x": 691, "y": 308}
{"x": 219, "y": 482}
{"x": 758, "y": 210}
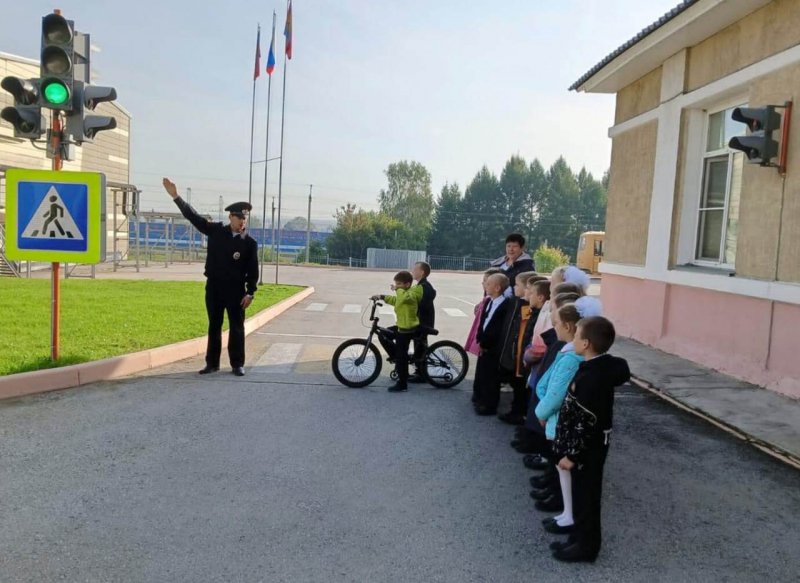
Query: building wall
{"x": 629, "y": 191}
{"x": 772, "y": 29}
{"x": 749, "y": 338}
{"x": 638, "y": 97}
{"x": 739, "y": 323}
{"x": 109, "y": 153}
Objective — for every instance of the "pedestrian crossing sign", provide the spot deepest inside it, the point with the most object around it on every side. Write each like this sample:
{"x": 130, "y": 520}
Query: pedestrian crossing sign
{"x": 55, "y": 216}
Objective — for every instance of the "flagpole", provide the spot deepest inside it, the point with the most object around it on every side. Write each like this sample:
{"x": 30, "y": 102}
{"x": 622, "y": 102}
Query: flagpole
{"x": 253, "y": 114}
{"x": 283, "y": 119}
{"x": 266, "y": 164}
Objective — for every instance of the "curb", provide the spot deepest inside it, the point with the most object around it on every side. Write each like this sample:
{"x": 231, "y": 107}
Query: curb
{"x": 769, "y": 448}
{"x": 76, "y": 375}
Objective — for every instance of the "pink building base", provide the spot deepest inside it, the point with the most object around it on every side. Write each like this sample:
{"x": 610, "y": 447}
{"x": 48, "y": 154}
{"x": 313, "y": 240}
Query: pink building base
{"x": 745, "y": 337}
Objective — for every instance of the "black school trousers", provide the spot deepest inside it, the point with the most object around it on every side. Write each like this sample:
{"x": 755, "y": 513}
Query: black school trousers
{"x": 222, "y": 297}
{"x": 399, "y": 350}
{"x": 587, "y": 494}
{"x": 486, "y": 386}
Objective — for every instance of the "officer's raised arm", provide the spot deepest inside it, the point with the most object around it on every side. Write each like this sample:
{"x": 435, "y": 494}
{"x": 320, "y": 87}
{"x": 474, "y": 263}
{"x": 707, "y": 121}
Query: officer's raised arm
{"x": 201, "y": 224}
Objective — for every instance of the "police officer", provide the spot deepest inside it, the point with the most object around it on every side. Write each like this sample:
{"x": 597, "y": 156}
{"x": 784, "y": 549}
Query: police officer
{"x": 232, "y": 274}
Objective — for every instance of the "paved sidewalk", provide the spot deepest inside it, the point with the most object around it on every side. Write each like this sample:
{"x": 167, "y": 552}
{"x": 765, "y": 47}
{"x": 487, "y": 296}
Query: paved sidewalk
{"x": 765, "y": 418}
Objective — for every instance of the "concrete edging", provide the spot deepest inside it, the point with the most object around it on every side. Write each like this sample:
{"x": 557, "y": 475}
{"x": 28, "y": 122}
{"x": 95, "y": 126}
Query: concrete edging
{"x": 53, "y": 379}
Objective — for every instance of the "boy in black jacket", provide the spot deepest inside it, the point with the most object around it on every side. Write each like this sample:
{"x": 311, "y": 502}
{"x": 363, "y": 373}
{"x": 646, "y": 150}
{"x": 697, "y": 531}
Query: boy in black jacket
{"x": 427, "y": 317}
{"x": 490, "y": 340}
{"x": 593, "y": 389}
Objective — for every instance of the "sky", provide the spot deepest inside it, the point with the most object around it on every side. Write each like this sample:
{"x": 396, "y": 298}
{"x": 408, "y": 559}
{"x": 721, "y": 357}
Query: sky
{"x": 453, "y": 85}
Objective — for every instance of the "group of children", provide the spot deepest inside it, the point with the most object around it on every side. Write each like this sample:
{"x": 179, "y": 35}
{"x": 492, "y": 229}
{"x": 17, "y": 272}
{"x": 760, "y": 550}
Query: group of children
{"x": 548, "y": 340}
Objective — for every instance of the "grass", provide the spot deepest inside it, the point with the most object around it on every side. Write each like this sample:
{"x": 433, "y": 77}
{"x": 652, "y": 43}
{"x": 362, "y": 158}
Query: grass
{"x": 102, "y": 318}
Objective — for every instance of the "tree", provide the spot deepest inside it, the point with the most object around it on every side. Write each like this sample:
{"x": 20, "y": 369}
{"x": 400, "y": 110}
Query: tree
{"x": 408, "y": 199}
{"x": 593, "y": 201}
{"x": 558, "y": 221}
{"x": 357, "y": 230}
{"x": 298, "y": 224}
{"x": 538, "y": 185}
{"x": 483, "y": 216}
{"x": 517, "y": 196}
{"x": 352, "y": 234}
{"x": 446, "y": 234}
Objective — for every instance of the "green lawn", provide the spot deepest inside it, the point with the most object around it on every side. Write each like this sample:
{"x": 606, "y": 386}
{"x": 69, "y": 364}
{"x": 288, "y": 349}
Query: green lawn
{"x": 101, "y": 318}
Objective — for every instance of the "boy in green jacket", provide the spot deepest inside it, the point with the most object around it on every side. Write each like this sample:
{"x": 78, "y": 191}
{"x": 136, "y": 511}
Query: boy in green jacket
{"x": 406, "y": 305}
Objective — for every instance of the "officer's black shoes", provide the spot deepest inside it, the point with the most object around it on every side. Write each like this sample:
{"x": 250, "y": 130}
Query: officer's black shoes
{"x": 209, "y": 370}
{"x": 238, "y": 371}
{"x": 398, "y": 388}
{"x": 416, "y": 378}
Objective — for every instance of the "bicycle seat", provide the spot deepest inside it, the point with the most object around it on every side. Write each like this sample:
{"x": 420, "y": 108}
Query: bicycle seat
{"x": 428, "y": 330}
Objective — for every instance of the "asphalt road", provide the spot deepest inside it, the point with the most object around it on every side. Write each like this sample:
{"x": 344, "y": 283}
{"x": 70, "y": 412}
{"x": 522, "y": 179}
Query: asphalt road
{"x": 284, "y": 475}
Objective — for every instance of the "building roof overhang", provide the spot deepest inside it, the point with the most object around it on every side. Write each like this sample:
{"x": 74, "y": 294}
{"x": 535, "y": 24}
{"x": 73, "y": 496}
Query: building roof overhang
{"x": 686, "y": 25}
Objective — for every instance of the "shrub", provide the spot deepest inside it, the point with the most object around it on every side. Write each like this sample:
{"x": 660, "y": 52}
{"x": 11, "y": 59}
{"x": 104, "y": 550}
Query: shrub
{"x": 548, "y": 258}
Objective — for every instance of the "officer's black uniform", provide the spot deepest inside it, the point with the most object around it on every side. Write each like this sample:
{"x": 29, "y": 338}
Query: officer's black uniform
{"x": 231, "y": 271}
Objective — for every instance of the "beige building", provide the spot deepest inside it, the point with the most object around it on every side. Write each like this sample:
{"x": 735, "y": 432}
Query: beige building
{"x": 109, "y": 154}
{"x": 702, "y": 253}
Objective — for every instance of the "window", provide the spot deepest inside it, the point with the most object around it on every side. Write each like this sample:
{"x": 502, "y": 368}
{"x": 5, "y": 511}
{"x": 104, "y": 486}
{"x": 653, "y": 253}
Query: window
{"x": 718, "y": 212}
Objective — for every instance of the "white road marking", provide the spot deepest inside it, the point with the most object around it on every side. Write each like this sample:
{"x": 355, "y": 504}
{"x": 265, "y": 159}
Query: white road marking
{"x": 302, "y": 335}
{"x": 454, "y": 312}
{"x": 316, "y": 307}
{"x": 279, "y": 358}
{"x": 386, "y": 311}
{"x": 465, "y": 301}
{"x": 352, "y": 309}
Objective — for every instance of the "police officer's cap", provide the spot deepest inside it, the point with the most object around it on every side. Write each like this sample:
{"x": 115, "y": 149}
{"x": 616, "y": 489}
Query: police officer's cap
{"x": 239, "y": 208}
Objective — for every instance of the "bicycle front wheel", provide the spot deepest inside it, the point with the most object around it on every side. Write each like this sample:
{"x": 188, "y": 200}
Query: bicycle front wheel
{"x": 446, "y": 364}
{"x": 356, "y": 363}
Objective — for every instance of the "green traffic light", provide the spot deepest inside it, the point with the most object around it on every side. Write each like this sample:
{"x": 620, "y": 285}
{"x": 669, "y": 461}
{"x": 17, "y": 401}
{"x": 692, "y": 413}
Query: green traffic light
{"x": 56, "y": 93}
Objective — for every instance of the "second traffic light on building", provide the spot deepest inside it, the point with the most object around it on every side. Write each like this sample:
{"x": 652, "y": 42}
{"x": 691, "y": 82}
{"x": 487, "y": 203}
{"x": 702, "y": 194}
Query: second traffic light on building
{"x": 57, "y": 63}
{"x": 758, "y": 145}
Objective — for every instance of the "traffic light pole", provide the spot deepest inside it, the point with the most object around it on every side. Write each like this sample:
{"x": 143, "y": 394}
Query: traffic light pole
{"x": 55, "y": 314}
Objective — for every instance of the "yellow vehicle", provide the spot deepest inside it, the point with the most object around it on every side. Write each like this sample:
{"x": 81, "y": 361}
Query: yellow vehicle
{"x": 590, "y": 251}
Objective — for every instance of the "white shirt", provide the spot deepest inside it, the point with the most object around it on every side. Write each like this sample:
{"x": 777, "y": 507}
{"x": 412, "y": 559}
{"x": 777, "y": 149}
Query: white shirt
{"x": 493, "y": 305}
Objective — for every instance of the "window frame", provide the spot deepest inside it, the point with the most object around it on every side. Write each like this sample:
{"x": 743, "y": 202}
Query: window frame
{"x": 705, "y": 158}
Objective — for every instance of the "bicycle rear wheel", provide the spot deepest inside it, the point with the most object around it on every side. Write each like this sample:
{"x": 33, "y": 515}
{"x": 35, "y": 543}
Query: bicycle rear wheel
{"x": 356, "y": 363}
{"x": 446, "y": 364}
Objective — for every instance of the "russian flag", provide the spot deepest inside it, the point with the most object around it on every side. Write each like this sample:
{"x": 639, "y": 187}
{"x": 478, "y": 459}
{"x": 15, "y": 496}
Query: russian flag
{"x": 287, "y": 31}
{"x": 271, "y": 56}
{"x": 258, "y": 55}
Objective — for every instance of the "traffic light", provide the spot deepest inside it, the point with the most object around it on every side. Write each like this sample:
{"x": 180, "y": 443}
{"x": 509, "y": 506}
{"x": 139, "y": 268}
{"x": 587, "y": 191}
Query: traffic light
{"x": 758, "y": 145}
{"x": 81, "y": 127}
{"x": 57, "y": 63}
{"x": 25, "y": 115}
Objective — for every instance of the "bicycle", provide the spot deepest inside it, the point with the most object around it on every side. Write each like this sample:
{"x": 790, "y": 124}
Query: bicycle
{"x": 358, "y": 362}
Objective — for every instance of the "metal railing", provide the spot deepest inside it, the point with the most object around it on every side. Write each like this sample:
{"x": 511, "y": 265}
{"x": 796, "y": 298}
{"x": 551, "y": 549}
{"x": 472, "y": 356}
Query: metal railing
{"x": 7, "y": 267}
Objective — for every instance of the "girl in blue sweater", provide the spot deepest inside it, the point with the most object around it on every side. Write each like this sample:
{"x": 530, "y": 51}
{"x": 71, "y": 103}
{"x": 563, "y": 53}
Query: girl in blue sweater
{"x": 552, "y": 390}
